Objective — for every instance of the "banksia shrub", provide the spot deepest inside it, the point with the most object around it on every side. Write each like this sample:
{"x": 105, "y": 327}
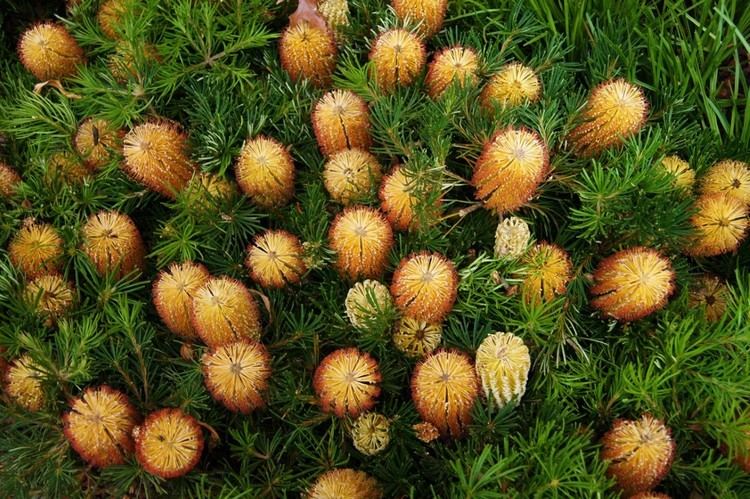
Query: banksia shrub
{"x": 341, "y": 121}
{"x": 513, "y": 85}
{"x": 428, "y": 15}
{"x": 113, "y": 243}
{"x": 362, "y": 239}
{"x": 548, "y": 270}
{"x": 400, "y": 194}
{"x": 265, "y": 172}
{"x": 308, "y": 52}
{"x": 99, "y": 426}
{"x": 711, "y": 294}
{"x": 344, "y": 483}
{"x": 223, "y": 311}
{"x": 366, "y": 302}
{"x": 454, "y": 64}
{"x": 49, "y": 52}
{"x": 512, "y": 238}
{"x": 236, "y": 374}
{"x": 50, "y": 296}
{"x": 424, "y": 286}
{"x": 274, "y": 259}
{"x": 371, "y": 433}
{"x": 503, "y": 364}
{"x": 173, "y": 293}
{"x": 169, "y": 443}
{"x": 398, "y": 58}
{"x": 728, "y": 177}
{"x": 347, "y": 382}
{"x": 23, "y": 383}
{"x": 97, "y": 141}
{"x": 351, "y": 175}
{"x": 679, "y": 169}
{"x": 417, "y": 338}
{"x": 36, "y": 249}
{"x": 720, "y": 224}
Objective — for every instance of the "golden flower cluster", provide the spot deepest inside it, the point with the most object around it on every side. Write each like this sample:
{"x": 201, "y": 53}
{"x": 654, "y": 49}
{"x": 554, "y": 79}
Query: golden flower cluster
{"x": 362, "y": 239}
{"x": 169, "y": 443}
{"x": 350, "y": 175}
{"x": 265, "y": 172}
{"x": 428, "y": 15}
{"x": 49, "y": 51}
{"x": 173, "y": 292}
{"x": 367, "y": 301}
{"x": 347, "y": 381}
{"x": 23, "y": 383}
{"x": 36, "y": 249}
{"x": 424, "y": 286}
{"x": 458, "y": 65}
{"x": 371, "y": 433}
{"x": 398, "y": 58}
{"x": 548, "y": 270}
{"x": 308, "y": 52}
{"x": 684, "y": 176}
{"x": 343, "y": 483}
{"x": 503, "y": 364}
{"x": 274, "y": 259}
{"x": 417, "y": 338}
{"x": 401, "y": 193}
{"x": 96, "y": 141}
{"x": 9, "y": 180}
{"x": 513, "y": 85}
{"x": 113, "y": 243}
{"x": 341, "y": 121}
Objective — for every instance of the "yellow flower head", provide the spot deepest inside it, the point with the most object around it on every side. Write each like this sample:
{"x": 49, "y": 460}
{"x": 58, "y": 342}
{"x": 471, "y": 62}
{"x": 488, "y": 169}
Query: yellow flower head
{"x": 274, "y": 259}
{"x": 548, "y": 271}
{"x": 23, "y": 383}
{"x": 308, "y": 52}
{"x": 51, "y": 296}
{"x": 513, "y": 85}
{"x": 361, "y": 238}
{"x": 503, "y": 364}
{"x": 424, "y": 286}
{"x": 97, "y": 141}
{"x": 173, "y": 293}
{"x": 265, "y": 172}
{"x": 398, "y": 58}
{"x": 417, "y": 338}
{"x": 711, "y": 294}
{"x": 347, "y": 381}
{"x": 350, "y": 175}
{"x": 9, "y": 180}
{"x": 343, "y": 483}
{"x": 728, "y": 177}
{"x": 512, "y": 238}
{"x": 36, "y": 249}
{"x": 99, "y": 426}
{"x": 207, "y": 192}
{"x": 366, "y": 301}
{"x": 371, "y": 433}
{"x": 459, "y": 64}
{"x": 112, "y": 242}
{"x": 224, "y": 311}
{"x": 444, "y": 388}
{"x": 237, "y": 374}
{"x": 401, "y": 192}
{"x": 124, "y": 62}
{"x": 632, "y": 283}
{"x": 615, "y": 111}
{"x": 512, "y": 165}
{"x": 720, "y": 224}
{"x": 341, "y": 121}
{"x": 49, "y": 52}
{"x": 426, "y": 432}
{"x": 110, "y": 16}
{"x": 640, "y": 453}
{"x": 156, "y": 156}
{"x": 66, "y": 167}
{"x": 429, "y": 14}
{"x": 684, "y": 176}
{"x": 169, "y": 443}
{"x": 335, "y": 13}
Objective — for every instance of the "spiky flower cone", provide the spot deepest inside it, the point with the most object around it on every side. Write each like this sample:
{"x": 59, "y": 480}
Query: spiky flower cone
{"x": 728, "y": 177}
{"x": 512, "y": 165}
{"x": 401, "y": 192}
{"x": 50, "y": 296}
{"x": 343, "y": 483}
{"x": 308, "y": 52}
{"x": 340, "y": 121}
{"x": 66, "y": 167}
{"x": 424, "y": 286}
{"x": 426, "y": 432}
{"x": 367, "y": 301}
{"x": 237, "y": 374}
{"x": 711, "y": 294}
{"x": 548, "y": 271}
{"x": 503, "y": 364}
{"x": 9, "y": 180}
{"x": 428, "y": 14}
{"x": 208, "y": 192}
{"x": 371, "y": 433}
{"x": 350, "y": 175}
{"x": 615, "y": 111}
{"x": 632, "y": 284}
{"x": 23, "y": 383}
{"x": 36, "y": 249}
{"x": 265, "y": 172}
{"x": 128, "y": 59}
{"x": 224, "y": 311}
{"x": 112, "y": 242}
{"x": 640, "y": 453}
{"x": 99, "y": 426}
{"x": 398, "y": 58}
{"x": 362, "y": 239}
{"x": 156, "y": 156}
{"x": 173, "y": 293}
{"x": 444, "y": 388}
{"x": 347, "y": 381}
{"x": 335, "y": 13}
{"x": 454, "y": 64}
{"x": 110, "y": 16}
{"x": 274, "y": 259}
{"x": 417, "y": 338}
{"x": 169, "y": 443}
{"x": 512, "y": 238}
{"x": 513, "y": 85}
{"x": 684, "y": 176}
{"x": 720, "y": 225}
{"x": 49, "y": 52}
{"x": 97, "y": 141}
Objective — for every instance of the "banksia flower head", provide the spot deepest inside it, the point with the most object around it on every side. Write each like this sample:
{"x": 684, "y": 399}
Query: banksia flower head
{"x": 632, "y": 283}
{"x": 67, "y": 167}
{"x": 50, "y": 296}
{"x": 548, "y": 271}
{"x": 513, "y": 85}
{"x": 308, "y": 52}
{"x": 9, "y": 180}
{"x": 237, "y": 374}
{"x": 347, "y": 381}
{"x": 512, "y": 238}
{"x": 417, "y": 338}
{"x": 367, "y": 301}
{"x": 224, "y": 311}
{"x": 335, "y": 13}
{"x": 169, "y": 443}
{"x": 173, "y": 293}
{"x": 511, "y": 167}
{"x": 398, "y": 58}
{"x": 208, "y": 192}
{"x": 361, "y": 238}
{"x": 711, "y": 294}
{"x": 127, "y": 60}
{"x": 650, "y": 495}
{"x": 720, "y": 225}
{"x": 429, "y": 14}
{"x": 36, "y": 249}
{"x": 350, "y": 175}
{"x": 96, "y": 141}
{"x": 400, "y": 194}
{"x": 424, "y": 286}
{"x": 503, "y": 364}
{"x": 640, "y": 453}
{"x": 728, "y": 177}
{"x": 49, "y": 52}
{"x": 99, "y": 425}
{"x": 156, "y": 156}
{"x": 265, "y": 172}
{"x": 615, "y": 111}
{"x": 340, "y": 121}
{"x": 679, "y": 169}
{"x": 274, "y": 259}
{"x": 444, "y": 388}
{"x": 454, "y": 64}
{"x": 371, "y": 433}
{"x": 426, "y": 432}
{"x": 23, "y": 383}
{"x": 112, "y": 242}
{"x": 110, "y": 16}
{"x": 343, "y": 483}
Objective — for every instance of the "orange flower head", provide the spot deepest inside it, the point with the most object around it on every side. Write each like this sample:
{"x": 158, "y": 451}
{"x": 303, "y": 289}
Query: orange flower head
{"x": 97, "y": 141}
{"x": 173, "y": 293}
{"x": 110, "y": 16}
{"x": 156, "y": 156}
{"x": 308, "y": 52}
{"x": 66, "y": 167}
{"x": 124, "y": 62}
{"x": 343, "y": 483}
{"x": 444, "y": 387}
{"x": 112, "y": 242}
{"x": 417, "y": 338}
{"x": 503, "y": 364}
{"x": 548, "y": 271}
{"x": 36, "y": 250}
{"x": 350, "y": 175}
{"x": 400, "y": 194}
{"x": 99, "y": 425}
{"x": 224, "y": 311}
{"x": 426, "y": 432}
{"x": 454, "y": 64}
{"x": 398, "y": 58}
{"x": 424, "y": 286}
{"x": 23, "y": 383}
{"x": 49, "y": 52}
{"x": 169, "y": 443}
{"x": 728, "y": 177}
{"x": 632, "y": 284}
{"x": 9, "y": 180}
{"x": 683, "y": 176}
{"x": 720, "y": 225}
{"x": 512, "y": 165}
{"x": 371, "y": 433}
{"x": 429, "y": 14}
{"x": 237, "y": 374}
{"x": 50, "y": 296}
{"x": 347, "y": 381}
{"x": 514, "y": 85}
{"x": 640, "y": 453}
{"x": 711, "y": 294}
{"x": 341, "y": 121}
{"x": 361, "y": 238}
{"x": 615, "y": 111}
{"x": 367, "y": 301}
{"x": 265, "y": 172}
{"x": 274, "y": 259}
